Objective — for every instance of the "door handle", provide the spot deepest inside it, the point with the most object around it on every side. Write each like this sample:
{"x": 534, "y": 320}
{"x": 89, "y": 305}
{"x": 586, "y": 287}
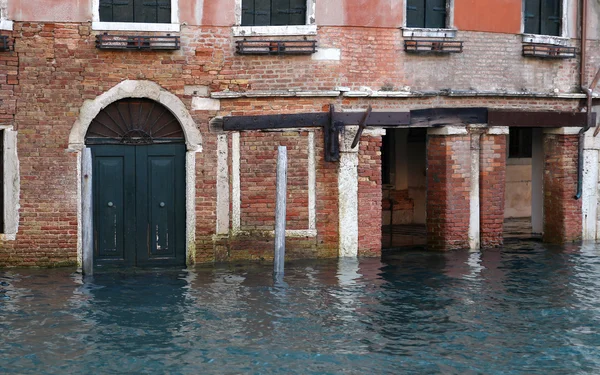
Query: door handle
{"x": 110, "y": 204}
{"x": 162, "y": 204}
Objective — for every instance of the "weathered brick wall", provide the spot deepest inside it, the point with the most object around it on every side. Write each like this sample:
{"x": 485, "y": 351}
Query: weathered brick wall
{"x": 258, "y": 179}
{"x": 492, "y": 182}
{"x": 491, "y": 62}
{"x": 448, "y": 187}
{"x": 56, "y": 67}
{"x": 9, "y": 79}
{"x": 369, "y": 196}
{"x": 562, "y": 213}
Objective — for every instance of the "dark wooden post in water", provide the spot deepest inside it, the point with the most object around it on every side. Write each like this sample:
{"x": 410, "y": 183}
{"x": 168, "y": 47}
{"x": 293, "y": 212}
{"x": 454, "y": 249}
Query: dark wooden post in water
{"x": 280, "y": 210}
{"x": 86, "y": 212}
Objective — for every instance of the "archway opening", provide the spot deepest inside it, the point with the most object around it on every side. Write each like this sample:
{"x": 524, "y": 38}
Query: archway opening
{"x": 138, "y": 185}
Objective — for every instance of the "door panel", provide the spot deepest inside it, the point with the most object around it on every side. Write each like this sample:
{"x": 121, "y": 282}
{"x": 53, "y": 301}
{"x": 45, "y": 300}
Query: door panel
{"x": 160, "y": 169}
{"x": 139, "y": 204}
{"x": 113, "y": 208}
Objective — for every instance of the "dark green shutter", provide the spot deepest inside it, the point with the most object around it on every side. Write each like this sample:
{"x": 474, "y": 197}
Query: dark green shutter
{"x": 532, "y": 16}
{"x": 106, "y": 10}
{"x": 262, "y": 12}
{"x": 435, "y": 13}
{"x": 116, "y": 10}
{"x": 148, "y": 11}
{"x": 164, "y": 11}
{"x": 415, "y": 13}
{"x": 297, "y": 12}
{"x": 550, "y": 17}
{"x": 280, "y": 12}
{"x": 248, "y": 12}
{"x": 122, "y": 10}
{"x": 152, "y": 11}
{"x": 273, "y": 12}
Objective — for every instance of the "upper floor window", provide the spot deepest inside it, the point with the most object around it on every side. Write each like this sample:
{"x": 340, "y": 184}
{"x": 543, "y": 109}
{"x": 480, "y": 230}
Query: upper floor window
{"x": 273, "y": 12}
{"x": 426, "y": 13}
{"x": 543, "y": 17}
{"x": 274, "y": 17}
{"x": 135, "y": 15}
{"x": 145, "y": 11}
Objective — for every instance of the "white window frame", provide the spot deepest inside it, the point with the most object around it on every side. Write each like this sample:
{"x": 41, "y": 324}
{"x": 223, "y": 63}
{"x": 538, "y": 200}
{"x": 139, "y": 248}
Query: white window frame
{"x": 174, "y": 26}
{"x": 4, "y": 23}
{"x": 424, "y": 32}
{"x": 310, "y": 28}
{"x": 560, "y": 40}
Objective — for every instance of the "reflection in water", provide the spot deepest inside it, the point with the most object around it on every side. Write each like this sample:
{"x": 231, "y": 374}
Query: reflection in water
{"x": 520, "y": 310}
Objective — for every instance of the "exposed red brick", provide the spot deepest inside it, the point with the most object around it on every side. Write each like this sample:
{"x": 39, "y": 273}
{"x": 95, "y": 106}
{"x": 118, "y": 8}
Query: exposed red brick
{"x": 562, "y": 212}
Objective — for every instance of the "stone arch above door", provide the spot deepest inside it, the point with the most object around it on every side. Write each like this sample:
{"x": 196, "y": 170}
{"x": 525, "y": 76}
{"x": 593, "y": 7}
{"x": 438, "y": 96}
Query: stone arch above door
{"x": 135, "y": 89}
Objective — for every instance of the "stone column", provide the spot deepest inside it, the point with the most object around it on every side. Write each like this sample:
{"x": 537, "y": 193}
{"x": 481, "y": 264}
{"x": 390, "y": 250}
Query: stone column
{"x": 448, "y": 187}
{"x": 348, "y": 194}
{"x": 562, "y": 212}
{"x": 492, "y": 185}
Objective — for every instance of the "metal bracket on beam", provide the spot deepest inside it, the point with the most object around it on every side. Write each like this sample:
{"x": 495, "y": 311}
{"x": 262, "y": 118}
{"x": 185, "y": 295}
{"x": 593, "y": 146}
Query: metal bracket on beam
{"x": 361, "y": 126}
{"x": 332, "y": 136}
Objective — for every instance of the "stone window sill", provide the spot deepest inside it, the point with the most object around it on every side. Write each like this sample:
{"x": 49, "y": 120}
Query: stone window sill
{"x": 417, "y": 32}
{"x": 274, "y": 30}
{"x": 6, "y": 24}
{"x": 545, "y": 39}
{"x": 135, "y": 26}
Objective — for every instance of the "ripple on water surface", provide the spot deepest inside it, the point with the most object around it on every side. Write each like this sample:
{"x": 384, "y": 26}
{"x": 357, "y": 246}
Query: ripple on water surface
{"x": 527, "y": 309}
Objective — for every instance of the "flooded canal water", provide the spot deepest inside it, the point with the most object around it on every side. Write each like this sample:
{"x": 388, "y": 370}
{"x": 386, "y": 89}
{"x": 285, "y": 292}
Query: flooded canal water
{"x": 524, "y": 309}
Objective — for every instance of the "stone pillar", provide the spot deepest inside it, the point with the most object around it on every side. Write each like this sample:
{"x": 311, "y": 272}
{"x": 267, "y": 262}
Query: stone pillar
{"x": 492, "y": 184}
{"x": 591, "y": 175}
{"x": 448, "y": 187}
{"x": 562, "y": 212}
{"x": 537, "y": 182}
{"x": 348, "y": 194}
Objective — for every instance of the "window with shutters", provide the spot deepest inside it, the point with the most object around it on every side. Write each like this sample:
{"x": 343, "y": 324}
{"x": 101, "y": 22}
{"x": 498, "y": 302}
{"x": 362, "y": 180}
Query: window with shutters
{"x": 543, "y": 17}
{"x": 136, "y": 15}
{"x": 275, "y": 17}
{"x": 273, "y": 12}
{"x": 426, "y": 13}
{"x": 146, "y": 11}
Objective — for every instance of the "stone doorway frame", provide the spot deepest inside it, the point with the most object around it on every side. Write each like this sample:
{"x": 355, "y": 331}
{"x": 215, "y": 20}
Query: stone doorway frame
{"x": 193, "y": 140}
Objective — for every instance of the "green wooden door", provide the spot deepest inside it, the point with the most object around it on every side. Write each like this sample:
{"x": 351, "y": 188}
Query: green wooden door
{"x": 139, "y": 205}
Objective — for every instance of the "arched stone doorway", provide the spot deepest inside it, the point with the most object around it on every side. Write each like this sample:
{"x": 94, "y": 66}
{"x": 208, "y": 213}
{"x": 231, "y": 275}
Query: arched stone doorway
{"x": 138, "y": 169}
{"x": 193, "y": 144}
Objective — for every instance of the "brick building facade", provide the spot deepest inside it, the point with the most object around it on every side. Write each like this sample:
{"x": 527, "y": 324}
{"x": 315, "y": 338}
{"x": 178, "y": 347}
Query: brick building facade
{"x": 61, "y": 71}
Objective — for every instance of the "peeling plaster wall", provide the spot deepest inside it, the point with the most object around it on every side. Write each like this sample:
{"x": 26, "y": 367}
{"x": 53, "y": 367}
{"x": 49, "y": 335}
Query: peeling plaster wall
{"x": 518, "y": 188}
{"x": 53, "y": 10}
{"x": 594, "y": 19}
{"x": 3, "y": 9}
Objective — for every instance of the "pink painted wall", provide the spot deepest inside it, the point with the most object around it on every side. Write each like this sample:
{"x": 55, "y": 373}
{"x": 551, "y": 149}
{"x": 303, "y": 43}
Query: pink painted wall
{"x": 207, "y": 12}
{"x": 366, "y": 13}
{"x": 500, "y": 16}
{"x": 373, "y": 13}
{"x": 50, "y": 10}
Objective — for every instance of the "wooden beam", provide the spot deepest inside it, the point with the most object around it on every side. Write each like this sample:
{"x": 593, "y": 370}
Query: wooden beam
{"x": 433, "y": 117}
{"x": 539, "y": 119}
{"x": 422, "y": 118}
{"x": 297, "y": 120}
{"x": 311, "y": 120}
{"x": 375, "y": 118}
